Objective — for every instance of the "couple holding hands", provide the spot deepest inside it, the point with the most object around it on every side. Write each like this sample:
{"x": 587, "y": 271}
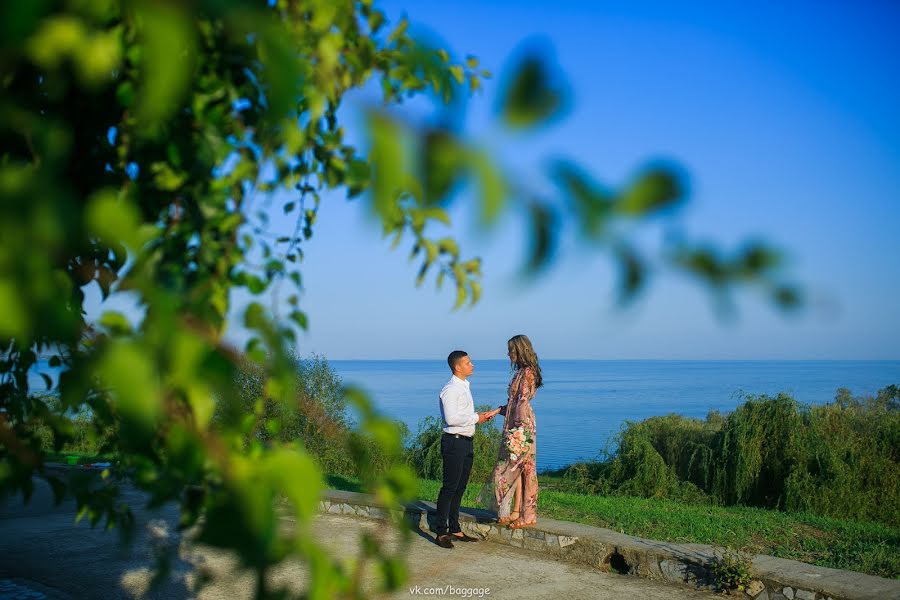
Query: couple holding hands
{"x": 512, "y": 489}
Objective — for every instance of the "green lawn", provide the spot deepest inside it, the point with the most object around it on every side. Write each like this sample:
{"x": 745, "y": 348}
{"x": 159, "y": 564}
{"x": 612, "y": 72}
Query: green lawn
{"x": 865, "y": 547}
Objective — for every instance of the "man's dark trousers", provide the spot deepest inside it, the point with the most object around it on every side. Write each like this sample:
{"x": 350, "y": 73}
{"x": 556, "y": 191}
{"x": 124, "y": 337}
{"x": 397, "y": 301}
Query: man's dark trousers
{"x": 457, "y": 452}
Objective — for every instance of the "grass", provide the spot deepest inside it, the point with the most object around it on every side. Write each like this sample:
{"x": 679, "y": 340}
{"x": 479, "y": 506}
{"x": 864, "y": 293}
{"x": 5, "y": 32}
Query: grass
{"x": 856, "y": 546}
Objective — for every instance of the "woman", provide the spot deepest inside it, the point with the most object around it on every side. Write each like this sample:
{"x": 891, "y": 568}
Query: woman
{"x": 515, "y": 476}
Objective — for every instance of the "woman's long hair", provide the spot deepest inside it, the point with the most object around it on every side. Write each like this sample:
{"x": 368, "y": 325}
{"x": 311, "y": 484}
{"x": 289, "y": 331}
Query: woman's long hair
{"x": 521, "y": 355}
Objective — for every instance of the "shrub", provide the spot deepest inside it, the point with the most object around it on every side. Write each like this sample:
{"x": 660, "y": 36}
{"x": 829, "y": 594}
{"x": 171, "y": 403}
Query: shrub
{"x": 731, "y": 569}
{"x": 841, "y": 459}
{"x": 317, "y": 418}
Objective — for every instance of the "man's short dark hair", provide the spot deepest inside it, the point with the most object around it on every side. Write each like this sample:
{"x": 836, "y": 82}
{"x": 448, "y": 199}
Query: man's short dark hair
{"x": 454, "y": 358}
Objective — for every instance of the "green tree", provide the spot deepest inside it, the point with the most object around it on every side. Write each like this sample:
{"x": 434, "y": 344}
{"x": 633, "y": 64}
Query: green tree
{"x": 134, "y": 136}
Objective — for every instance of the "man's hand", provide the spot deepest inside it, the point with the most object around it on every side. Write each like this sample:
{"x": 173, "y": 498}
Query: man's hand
{"x": 487, "y": 416}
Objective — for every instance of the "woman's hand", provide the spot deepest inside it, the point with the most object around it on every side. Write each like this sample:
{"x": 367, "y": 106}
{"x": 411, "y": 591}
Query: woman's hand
{"x": 487, "y": 416}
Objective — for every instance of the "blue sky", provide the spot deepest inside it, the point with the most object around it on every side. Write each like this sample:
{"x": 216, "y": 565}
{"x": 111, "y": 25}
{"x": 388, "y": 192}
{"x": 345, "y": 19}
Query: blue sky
{"x": 784, "y": 116}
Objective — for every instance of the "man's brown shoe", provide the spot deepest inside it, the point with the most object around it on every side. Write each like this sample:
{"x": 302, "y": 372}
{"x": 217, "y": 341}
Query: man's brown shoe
{"x": 462, "y": 537}
{"x": 444, "y": 541}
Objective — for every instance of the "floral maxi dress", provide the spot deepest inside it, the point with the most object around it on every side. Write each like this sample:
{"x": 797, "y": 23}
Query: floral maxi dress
{"x": 515, "y": 481}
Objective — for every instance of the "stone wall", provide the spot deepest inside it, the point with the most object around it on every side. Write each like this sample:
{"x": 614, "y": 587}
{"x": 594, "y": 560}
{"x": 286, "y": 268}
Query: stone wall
{"x": 687, "y": 564}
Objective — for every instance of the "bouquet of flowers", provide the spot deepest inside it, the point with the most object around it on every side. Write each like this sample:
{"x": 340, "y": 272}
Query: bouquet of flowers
{"x": 518, "y": 441}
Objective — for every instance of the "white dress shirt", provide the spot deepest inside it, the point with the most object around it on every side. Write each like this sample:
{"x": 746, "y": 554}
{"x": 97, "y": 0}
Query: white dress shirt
{"x": 458, "y": 407}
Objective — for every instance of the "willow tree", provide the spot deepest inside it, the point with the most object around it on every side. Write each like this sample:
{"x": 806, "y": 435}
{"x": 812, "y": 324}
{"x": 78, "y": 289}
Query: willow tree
{"x": 134, "y": 135}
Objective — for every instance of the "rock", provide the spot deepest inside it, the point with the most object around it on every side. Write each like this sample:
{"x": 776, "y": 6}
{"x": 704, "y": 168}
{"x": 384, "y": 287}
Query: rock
{"x": 672, "y": 570}
{"x": 805, "y": 595}
{"x": 565, "y": 540}
{"x": 533, "y": 544}
{"x": 788, "y": 593}
{"x": 755, "y": 587}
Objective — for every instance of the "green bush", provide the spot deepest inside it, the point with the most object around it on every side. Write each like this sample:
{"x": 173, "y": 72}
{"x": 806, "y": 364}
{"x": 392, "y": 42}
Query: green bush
{"x": 317, "y": 418}
{"x": 840, "y": 459}
{"x": 79, "y": 433}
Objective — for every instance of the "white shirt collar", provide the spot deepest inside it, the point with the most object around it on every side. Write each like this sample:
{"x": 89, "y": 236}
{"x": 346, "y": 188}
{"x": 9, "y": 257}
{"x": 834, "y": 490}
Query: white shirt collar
{"x": 456, "y": 379}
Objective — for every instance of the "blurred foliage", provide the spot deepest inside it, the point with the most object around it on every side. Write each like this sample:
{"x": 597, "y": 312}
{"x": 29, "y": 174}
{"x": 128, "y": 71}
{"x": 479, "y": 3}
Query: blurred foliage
{"x": 318, "y": 418}
{"x": 139, "y": 144}
{"x": 840, "y": 459}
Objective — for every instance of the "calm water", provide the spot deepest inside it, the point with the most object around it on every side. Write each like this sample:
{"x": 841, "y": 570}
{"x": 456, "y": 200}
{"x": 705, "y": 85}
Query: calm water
{"x": 584, "y": 403}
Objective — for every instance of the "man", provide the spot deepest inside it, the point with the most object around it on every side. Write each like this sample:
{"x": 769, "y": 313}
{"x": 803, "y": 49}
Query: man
{"x": 460, "y": 418}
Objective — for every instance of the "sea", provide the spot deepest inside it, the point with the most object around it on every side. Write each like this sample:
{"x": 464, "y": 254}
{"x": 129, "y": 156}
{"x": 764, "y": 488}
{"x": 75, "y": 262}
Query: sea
{"x": 584, "y": 403}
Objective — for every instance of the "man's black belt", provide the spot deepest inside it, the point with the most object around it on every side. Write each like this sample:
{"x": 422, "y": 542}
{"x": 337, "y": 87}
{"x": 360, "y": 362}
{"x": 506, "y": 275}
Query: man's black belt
{"x": 459, "y": 435}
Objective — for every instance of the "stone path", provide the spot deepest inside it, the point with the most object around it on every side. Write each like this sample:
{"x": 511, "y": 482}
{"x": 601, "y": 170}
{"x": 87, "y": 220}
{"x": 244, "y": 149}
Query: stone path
{"x": 44, "y": 555}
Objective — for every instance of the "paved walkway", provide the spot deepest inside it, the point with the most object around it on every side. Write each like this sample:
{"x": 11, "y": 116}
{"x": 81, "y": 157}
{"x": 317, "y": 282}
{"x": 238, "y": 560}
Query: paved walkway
{"x": 44, "y": 555}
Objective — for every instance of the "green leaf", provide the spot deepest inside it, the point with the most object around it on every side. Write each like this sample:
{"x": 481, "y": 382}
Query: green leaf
{"x": 458, "y": 75}
{"x": 357, "y": 398}
{"x": 167, "y": 178}
{"x": 491, "y": 185}
{"x": 14, "y": 319}
{"x": 299, "y": 317}
{"x": 255, "y": 316}
{"x": 543, "y": 237}
{"x": 169, "y": 47}
{"x": 632, "y": 273}
{"x": 460, "y": 294}
{"x": 448, "y": 246}
{"x": 393, "y": 573}
{"x": 441, "y": 162}
{"x": 385, "y": 433}
{"x": 475, "y": 288}
{"x": 299, "y": 478}
{"x": 114, "y": 220}
{"x": 654, "y": 190}
{"x": 703, "y": 263}
{"x": 400, "y": 30}
{"x": 591, "y": 203}
{"x": 531, "y": 96}
{"x": 98, "y": 57}
{"x": 203, "y": 404}
{"x": 127, "y": 371}
{"x": 387, "y": 165}
{"x": 115, "y": 322}
{"x": 787, "y": 297}
{"x": 438, "y": 214}
{"x": 253, "y": 283}
{"x": 757, "y": 259}
{"x": 57, "y": 38}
